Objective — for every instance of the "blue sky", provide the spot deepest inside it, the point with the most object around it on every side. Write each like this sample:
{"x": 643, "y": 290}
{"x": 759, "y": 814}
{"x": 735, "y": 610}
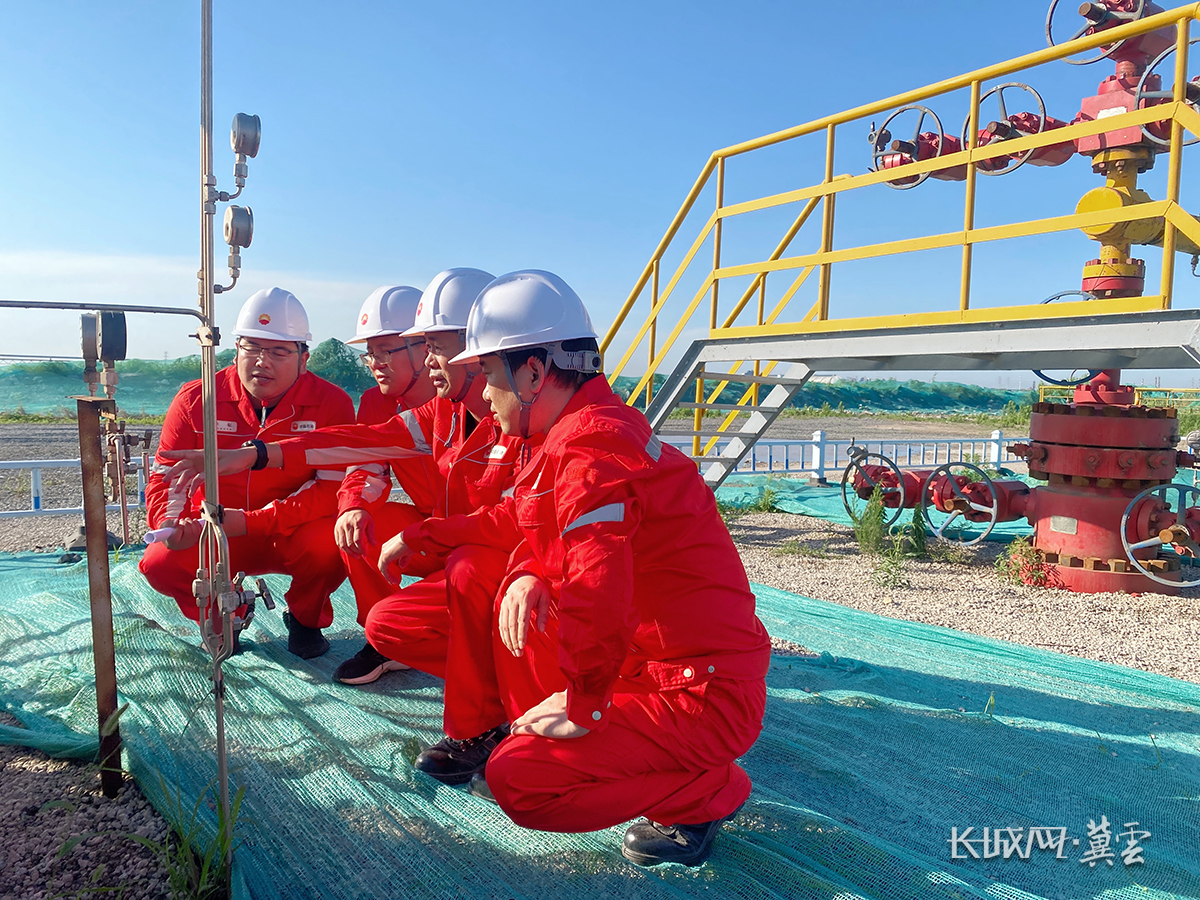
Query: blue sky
{"x": 400, "y": 139}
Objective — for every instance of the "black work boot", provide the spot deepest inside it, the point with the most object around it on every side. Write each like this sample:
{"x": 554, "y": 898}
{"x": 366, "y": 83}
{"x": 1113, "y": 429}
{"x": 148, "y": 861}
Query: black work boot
{"x": 479, "y": 787}
{"x": 649, "y": 844}
{"x": 303, "y": 641}
{"x": 365, "y": 666}
{"x": 454, "y": 762}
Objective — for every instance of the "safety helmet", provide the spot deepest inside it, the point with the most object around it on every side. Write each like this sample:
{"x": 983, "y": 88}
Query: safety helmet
{"x": 273, "y": 314}
{"x": 530, "y": 308}
{"x": 446, "y": 303}
{"x": 390, "y": 309}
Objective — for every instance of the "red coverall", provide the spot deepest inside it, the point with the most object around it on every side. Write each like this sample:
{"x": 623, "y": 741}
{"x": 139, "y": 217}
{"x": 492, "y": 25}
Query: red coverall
{"x": 289, "y": 524}
{"x": 663, "y": 658}
{"x": 414, "y": 625}
{"x": 367, "y": 487}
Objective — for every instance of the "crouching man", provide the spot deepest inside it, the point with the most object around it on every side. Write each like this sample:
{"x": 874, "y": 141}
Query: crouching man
{"x": 623, "y": 553}
{"x": 276, "y": 521}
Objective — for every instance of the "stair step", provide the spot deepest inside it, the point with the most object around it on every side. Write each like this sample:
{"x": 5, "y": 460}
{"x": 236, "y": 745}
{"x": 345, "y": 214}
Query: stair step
{"x": 724, "y": 406}
{"x": 751, "y": 379}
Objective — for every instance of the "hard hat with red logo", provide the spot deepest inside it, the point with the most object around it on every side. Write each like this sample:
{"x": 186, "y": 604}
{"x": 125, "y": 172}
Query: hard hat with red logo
{"x": 446, "y": 303}
{"x": 390, "y": 309}
{"x": 273, "y": 314}
{"x": 530, "y": 308}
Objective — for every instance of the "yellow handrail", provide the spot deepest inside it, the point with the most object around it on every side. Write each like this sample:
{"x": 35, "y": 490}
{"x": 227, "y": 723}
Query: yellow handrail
{"x": 1178, "y": 224}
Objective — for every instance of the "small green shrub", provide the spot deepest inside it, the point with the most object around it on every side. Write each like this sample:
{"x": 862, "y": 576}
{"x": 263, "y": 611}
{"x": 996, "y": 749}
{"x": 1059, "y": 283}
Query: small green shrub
{"x": 1020, "y": 563}
{"x": 891, "y": 571}
{"x": 869, "y": 530}
{"x": 915, "y": 534}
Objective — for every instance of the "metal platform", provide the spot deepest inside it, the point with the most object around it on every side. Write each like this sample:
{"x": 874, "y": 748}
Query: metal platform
{"x": 1167, "y": 339}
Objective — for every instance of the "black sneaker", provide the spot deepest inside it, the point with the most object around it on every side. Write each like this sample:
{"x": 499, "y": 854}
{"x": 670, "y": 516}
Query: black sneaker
{"x": 305, "y": 642}
{"x": 365, "y": 666}
{"x": 454, "y": 762}
{"x": 479, "y": 787}
{"x": 650, "y": 844}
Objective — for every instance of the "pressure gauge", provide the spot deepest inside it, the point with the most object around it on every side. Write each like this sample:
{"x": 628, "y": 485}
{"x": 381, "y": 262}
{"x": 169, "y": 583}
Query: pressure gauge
{"x": 239, "y": 226}
{"x": 244, "y": 134}
{"x": 111, "y": 338}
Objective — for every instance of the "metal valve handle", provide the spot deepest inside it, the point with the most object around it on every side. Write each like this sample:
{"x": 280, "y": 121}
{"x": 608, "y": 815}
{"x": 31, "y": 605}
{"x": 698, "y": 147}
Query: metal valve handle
{"x": 999, "y": 90}
{"x": 1191, "y": 96}
{"x": 1105, "y": 14}
{"x": 1176, "y": 536}
{"x": 857, "y": 507}
{"x": 934, "y": 514}
{"x": 880, "y": 138}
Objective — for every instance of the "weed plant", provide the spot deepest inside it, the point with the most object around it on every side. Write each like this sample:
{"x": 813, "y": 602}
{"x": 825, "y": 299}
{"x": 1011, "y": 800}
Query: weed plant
{"x": 197, "y": 869}
{"x": 1020, "y": 563}
{"x": 869, "y": 530}
{"x": 891, "y": 570}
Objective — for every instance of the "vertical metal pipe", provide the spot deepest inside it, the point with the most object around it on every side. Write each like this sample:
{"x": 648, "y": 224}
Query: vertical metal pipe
{"x": 1175, "y": 164}
{"x": 653, "y": 329}
{"x": 762, "y": 305}
{"x": 35, "y": 487}
{"x": 826, "y": 231}
{"x": 218, "y": 562}
{"x": 95, "y": 523}
{"x": 717, "y": 228}
{"x": 698, "y": 417}
{"x": 964, "y": 291}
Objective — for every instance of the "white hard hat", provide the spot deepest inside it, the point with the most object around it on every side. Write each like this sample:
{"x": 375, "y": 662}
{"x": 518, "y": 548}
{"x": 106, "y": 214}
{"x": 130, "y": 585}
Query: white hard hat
{"x": 390, "y": 309}
{"x": 530, "y": 308}
{"x": 273, "y": 314}
{"x": 446, "y": 303}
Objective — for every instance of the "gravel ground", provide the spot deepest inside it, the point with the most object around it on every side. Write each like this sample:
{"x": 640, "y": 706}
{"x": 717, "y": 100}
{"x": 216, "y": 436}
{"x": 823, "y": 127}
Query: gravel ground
{"x": 794, "y": 553}
{"x": 44, "y": 803}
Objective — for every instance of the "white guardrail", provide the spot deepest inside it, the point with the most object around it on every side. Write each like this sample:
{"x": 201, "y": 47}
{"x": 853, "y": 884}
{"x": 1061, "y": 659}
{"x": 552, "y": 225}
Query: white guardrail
{"x": 820, "y": 455}
{"x": 35, "y": 487}
{"x": 816, "y": 457}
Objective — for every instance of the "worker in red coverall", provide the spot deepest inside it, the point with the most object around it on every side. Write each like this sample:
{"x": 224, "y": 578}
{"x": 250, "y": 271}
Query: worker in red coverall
{"x": 412, "y": 628}
{"x": 365, "y": 515}
{"x": 276, "y": 521}
{"x": 626, "y": 565}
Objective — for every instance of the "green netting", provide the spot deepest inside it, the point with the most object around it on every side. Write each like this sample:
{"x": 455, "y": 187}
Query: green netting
{"x": 792, "y": 495}
{"x": 870, "y": 756}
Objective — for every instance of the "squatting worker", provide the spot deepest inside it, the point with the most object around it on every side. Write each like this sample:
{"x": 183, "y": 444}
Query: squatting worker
{"x": 366, "y": 516}
{"x": 277, "y": 521}
{"x": 626, "y": 564}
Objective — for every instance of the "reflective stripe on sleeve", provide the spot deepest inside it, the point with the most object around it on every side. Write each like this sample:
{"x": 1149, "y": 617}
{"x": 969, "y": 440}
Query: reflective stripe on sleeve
{"x": 613, "y": 512}
{"x": 654, "y": 447}
{"x": 414, "y": 429}
{"x": 334, "y": 456}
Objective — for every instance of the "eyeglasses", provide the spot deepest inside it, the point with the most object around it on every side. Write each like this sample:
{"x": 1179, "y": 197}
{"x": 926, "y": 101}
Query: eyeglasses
{"x": 275, "y": 354}
{"x": 381, "y": 357}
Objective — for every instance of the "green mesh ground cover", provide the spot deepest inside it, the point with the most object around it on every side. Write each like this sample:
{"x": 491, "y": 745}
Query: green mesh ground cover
{"x": 870, "y": 755}
{"x": 800, "y": 498}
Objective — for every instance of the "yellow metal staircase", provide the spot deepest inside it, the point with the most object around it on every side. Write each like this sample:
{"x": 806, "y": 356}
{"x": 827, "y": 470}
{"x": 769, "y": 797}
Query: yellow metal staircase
{"x": 763, "y": 310}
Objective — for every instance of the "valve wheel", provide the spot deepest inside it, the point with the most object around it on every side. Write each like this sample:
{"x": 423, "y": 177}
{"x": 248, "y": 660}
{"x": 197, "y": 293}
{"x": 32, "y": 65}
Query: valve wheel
{"x": 855, "y": 505}
{"x": 1091, "y": 373}
{"x": 999, "y": 90}
{"x": 1130, "y": 17}
{"x": 879, "y": 144}
{"x": 1191, "y": 97}
{"x": 1188, "y": 498}
{"x": 940, "y": 521}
